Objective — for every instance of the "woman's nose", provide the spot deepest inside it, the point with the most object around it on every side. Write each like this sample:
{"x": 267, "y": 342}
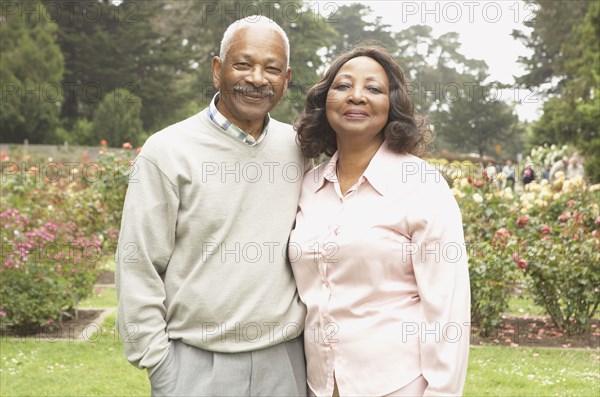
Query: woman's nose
{"x": 356, "y": 95}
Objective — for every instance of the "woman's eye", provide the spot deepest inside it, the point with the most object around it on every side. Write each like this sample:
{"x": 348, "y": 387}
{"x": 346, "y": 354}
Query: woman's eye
{"x": 375, "y": 90}
{"x": 341, "y": 86}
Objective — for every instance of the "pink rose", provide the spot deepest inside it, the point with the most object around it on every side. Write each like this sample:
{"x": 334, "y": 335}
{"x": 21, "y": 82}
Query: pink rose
{"x": 522, "y": 221}
{"x": 520, "y": 262}
{"x": 545, "y": 229}
{"x": 564, "y": 216}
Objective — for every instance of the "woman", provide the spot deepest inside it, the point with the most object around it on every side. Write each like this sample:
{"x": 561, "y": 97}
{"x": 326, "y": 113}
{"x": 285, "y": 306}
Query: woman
{"x": 528, "y": 175}
{"x": 378, "y": 249}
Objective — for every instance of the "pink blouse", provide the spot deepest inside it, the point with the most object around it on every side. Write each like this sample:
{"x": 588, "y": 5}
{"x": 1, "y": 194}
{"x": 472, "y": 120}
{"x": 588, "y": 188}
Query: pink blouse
{"x": 383, "y": 273}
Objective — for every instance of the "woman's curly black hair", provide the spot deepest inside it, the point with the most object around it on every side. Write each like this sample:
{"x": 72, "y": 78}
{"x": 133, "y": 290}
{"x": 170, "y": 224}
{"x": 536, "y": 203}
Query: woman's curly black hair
{"x": 404, "y": 132}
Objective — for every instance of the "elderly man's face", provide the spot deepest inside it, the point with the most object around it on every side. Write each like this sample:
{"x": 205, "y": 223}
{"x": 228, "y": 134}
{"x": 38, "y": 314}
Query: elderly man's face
{"x": 252, "y": 78}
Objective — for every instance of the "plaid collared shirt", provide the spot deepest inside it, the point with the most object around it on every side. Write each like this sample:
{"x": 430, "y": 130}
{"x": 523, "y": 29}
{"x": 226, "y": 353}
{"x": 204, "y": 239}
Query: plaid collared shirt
{"x": 231, "y": 129}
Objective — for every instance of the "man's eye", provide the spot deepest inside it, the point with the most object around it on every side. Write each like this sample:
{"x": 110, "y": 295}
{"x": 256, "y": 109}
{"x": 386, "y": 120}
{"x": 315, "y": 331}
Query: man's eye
{"x": 241, "y": 65}
{"x": 272, "y": 69}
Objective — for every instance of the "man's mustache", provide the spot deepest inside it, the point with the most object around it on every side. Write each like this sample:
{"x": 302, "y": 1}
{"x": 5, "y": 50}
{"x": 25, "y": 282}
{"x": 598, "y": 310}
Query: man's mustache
{"x": 240, "y": 89}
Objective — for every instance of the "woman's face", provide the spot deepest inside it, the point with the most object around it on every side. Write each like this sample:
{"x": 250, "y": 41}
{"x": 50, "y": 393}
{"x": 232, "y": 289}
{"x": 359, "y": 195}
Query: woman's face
{"x": 358, "y": 100}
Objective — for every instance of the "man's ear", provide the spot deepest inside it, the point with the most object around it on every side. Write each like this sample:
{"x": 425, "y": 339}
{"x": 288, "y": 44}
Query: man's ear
{"x": 288, "y": 78}
{"x": 216, "y": 66}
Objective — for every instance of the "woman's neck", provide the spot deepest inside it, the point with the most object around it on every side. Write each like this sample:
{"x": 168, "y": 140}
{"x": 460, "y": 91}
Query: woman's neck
{"x": 353, "y": 160}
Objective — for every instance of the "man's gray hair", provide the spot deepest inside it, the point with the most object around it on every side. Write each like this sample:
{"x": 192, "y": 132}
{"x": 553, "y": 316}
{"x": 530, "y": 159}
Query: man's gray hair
{"x": 253, "y": 20}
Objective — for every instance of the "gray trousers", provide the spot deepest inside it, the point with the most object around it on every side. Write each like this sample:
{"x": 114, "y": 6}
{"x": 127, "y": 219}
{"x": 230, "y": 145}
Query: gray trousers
{"x": 278, "y": 370}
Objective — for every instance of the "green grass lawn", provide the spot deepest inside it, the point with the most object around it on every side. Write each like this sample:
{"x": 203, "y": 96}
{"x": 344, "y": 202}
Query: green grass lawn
{"x": 508, "y": 371}
{"x": 97, "y": 367}
{"x": 105, "y": 296}
{"x": 107, "y": 263}
{"x": 102, "y": 298}
{"x": 523, "y": 306}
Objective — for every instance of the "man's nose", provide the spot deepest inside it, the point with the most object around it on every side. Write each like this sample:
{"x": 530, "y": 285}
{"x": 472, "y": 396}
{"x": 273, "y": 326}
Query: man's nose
{"x": 256, "y": 77}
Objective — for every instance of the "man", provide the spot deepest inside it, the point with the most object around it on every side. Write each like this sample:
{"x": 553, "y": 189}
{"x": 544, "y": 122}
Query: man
{"x": 559, "y": 166}
{"x": 575, "y": 168}
{"x": 207, "y": 299}
{"x": 509, "y": 174}
{"x": 491, "y": 173}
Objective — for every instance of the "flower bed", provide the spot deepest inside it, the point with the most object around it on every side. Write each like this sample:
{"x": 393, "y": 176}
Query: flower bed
{"x": 547, "y": 235}
{"x": 58, "y": 221}
{"x": 60, "y": 218}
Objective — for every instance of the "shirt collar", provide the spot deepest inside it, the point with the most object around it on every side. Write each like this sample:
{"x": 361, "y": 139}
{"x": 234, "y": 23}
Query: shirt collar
{"x": 329, "y": 172}
{"x": 231, "y": 129}
{"x": 374, "y": 174}
{"x": 379, "y": 167}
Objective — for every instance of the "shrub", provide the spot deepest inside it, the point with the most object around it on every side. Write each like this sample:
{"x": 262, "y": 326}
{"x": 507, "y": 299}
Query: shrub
{"x": 115, "y": 170}
{"x": 80, "y": 133}
{"x": 47, "y": 268}
{"x": 117, "y": 118}
{"x": 56, "y": 226}
{"x": 559, "y": 249}
{"x": 550, "y": 233}
{"x": 485, "y": 212}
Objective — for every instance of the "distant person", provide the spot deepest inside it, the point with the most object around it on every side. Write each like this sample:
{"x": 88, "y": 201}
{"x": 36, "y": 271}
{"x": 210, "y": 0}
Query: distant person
{"x": 528, "y": 175}
{"x": 575, "y": 168}
{"x": 207, "y": 302}
{"x": 559, "y": 166}
{"x": 509, "y": 175}
{"x": 546, "y": 171}
{"x": 490, "y": 172}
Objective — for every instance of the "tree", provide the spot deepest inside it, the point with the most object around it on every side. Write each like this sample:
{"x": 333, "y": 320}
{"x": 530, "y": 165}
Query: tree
{"x": 31, "y": 70}
{"x": 453, "y": 92}
{"x": 475, "y": 122}
{"x": 571, "y": 113}
{"x": 109, "y": 45}
{"x": 436, "y": 70}
{"x": 352, "y": 26}
{"x": 550, "y": 39}
{"x": 117, "y": 119}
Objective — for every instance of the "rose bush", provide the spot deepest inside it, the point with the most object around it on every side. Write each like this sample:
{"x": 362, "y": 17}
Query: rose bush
{"x": 548, "y": 232}
{"x": 487, "y": 235}
{"x": 59, "y": 220}
{"x": 46, "y": 269}
{"x": 560, "y": 247}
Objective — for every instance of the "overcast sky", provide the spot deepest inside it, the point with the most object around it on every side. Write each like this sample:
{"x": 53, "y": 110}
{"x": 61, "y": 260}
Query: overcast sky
{"x": 484, "y": 28}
